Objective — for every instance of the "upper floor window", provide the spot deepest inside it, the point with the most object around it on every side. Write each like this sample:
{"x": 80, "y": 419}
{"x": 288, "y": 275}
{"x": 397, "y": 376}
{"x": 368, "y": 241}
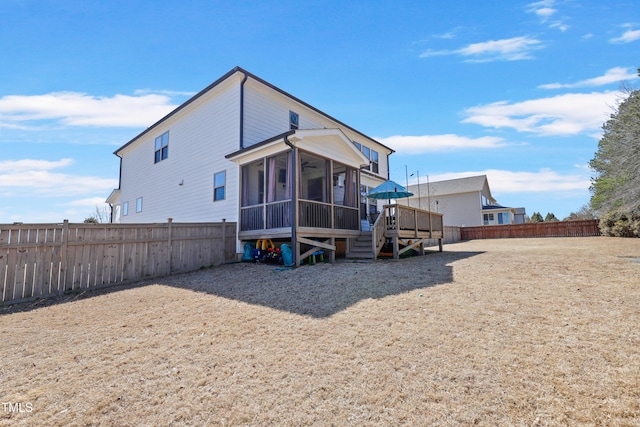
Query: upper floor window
{"x": 162, "y": 147}
{"x": 125, "y": 209}
{"x": 372, "y": 155}
{"x": 219, "y": 182}
{"x": 375, "y": 167}
{"x": 139, "y": 204}
{"x": 367, "y": 153}
{"x": 294, "y": 120}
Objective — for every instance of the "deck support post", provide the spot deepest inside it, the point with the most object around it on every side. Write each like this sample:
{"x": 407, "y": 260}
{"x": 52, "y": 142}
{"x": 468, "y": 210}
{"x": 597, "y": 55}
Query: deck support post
{"x": 395, "y": 248}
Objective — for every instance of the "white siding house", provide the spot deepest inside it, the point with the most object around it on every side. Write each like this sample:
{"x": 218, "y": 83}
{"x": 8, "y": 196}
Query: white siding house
{"x": 464, "y": 202}
{"x": 235, "y": 151}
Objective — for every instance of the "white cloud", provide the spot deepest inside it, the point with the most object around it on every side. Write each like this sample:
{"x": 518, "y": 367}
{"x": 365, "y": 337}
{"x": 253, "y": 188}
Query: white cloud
{"x": 88, "y": 202}
{"x": 80, "y": 109}
{"x": 559, "y": 25}
{"x": 430, "y": 52}
{"x": 163, "y": 92}
{"x": 613, "y": 75}
{"x": 545, "y": 10}
{"x": 26, "y": 164}
{"x": 628, "y": 36}
{"x": 568, "y": 114}
{"x": 433, "y": 143}
{"x": 38, "y": 176}
{"x": 513, "y": 49}
{"x": 509, "y": 182}
{"x": 509, "y": 49}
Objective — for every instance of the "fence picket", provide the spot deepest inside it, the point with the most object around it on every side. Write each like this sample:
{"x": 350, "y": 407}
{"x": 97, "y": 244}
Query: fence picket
{"x": 40, "y": 260}
{"x": 581, "y": 228}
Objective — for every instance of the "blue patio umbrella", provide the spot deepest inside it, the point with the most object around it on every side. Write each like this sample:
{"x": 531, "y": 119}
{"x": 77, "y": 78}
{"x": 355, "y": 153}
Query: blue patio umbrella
{"x": 389, "y": 190}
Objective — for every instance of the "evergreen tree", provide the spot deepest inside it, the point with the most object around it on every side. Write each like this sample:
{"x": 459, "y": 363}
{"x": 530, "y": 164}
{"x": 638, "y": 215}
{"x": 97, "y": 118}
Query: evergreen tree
{"x": 617, "y": 161}
{"x": 537, "y": 217}
{"x": 550, "y": 217}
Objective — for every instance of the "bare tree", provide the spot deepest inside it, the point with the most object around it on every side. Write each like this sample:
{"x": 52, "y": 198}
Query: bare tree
{"x": 100, "y": 216}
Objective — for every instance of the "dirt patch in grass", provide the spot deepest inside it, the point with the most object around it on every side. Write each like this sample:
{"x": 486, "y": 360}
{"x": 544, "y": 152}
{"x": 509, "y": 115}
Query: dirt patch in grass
{"x": 489, "y": 332}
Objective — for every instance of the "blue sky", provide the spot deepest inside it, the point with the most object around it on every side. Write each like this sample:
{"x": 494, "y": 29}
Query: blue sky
{"x": 514, "y": 90}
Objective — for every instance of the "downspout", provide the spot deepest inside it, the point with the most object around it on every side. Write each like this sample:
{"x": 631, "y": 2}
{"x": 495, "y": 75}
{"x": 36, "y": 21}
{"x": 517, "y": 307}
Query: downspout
{"x": 242, "y": 110}
{"x": 119, "y": 184}
{"x": 294, "y": 201}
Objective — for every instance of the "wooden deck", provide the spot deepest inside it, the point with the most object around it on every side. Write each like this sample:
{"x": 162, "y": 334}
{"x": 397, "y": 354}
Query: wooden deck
{"x": 406, "y": 226}
{"x": 318, "y": 225}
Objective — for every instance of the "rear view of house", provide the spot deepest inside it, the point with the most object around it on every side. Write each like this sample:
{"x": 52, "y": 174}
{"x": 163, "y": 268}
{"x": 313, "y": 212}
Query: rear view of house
{"x": 248, "y": 152}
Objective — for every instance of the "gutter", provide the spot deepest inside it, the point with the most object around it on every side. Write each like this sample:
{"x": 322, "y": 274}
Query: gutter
{"x": 242, "y": 109}
{"x": 119, "y": 185}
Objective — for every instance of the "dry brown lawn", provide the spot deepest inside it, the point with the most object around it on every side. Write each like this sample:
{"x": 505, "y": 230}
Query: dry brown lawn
{"x": 521, "y": 332}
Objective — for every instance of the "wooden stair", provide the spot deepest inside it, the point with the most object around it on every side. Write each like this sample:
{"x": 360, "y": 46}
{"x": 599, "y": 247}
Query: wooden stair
{"x": 361, "y": 247}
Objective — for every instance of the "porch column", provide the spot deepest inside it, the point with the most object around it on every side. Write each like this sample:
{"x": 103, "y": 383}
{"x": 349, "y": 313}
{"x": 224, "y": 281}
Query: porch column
{"x": 295, "y": 245}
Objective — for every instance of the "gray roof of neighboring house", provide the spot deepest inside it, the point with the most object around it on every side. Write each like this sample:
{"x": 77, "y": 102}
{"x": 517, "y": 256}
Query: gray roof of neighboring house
{"x": 455, "y": 186}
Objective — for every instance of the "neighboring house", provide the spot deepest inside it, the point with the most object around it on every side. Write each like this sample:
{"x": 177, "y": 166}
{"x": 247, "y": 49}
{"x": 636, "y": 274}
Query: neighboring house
{"x": 464, "y": 202}
{"x": 248, "y": 152}
{"x": 497, "y": 215}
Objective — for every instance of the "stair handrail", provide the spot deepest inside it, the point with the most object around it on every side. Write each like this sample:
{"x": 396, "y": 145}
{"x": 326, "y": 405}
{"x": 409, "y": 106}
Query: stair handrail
{"x": 378, "y": 233}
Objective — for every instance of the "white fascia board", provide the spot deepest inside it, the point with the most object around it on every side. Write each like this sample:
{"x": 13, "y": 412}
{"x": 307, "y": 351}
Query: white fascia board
{"x": 113, "y": 197}
{"x": 249, "y": 156}
{"x": 332, "y": 138}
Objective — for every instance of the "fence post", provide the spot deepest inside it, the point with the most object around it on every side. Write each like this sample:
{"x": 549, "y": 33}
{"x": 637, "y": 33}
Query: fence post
{"x": 64, "y": 257}
{"x": 170, "y": 242}
{"x": 224, "y": 240}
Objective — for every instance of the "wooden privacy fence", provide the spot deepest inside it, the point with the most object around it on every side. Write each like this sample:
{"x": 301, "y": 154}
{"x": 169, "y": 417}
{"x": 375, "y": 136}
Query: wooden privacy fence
{"x": 40, "y": 260}
{"x": 533, "y": 229}
{"x": 450, "y": 234}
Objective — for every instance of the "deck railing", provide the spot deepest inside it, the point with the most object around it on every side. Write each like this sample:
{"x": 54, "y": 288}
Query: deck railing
{"x": 279, "y": 214}
{"x": 346, "y": 218}
{"x": 378, "y": 233}
{"x": 314, "y": 214}
{"x": 404, "y": 218}
{"x": 310, "y": 214}
{"x": 252, "y": 218}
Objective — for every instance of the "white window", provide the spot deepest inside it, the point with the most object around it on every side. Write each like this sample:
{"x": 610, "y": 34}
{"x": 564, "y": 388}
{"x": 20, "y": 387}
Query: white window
{"x": 488, "y": 219}
{"x": 372, "y": 155}
{"x": 125, "y": 209}
{"x": 219, "y": 182}
{"x": 294, "y": 120}
{"x": 374, "y": 162}
{"x": 139, "y": 204}
{"x": 162, "y": 147}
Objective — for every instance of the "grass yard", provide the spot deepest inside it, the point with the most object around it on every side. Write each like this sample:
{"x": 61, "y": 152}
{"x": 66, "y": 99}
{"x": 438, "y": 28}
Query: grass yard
{"x": 522, "y": 332}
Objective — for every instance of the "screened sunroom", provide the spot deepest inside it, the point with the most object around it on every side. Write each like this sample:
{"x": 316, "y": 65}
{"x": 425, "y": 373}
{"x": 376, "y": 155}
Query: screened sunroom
{"x": 326, "y": 195}
{"x": 303, "y": 182}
